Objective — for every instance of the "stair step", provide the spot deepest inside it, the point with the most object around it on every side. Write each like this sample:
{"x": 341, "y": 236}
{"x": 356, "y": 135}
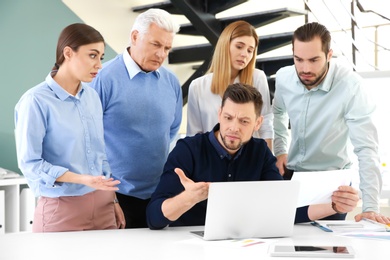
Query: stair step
{"x": 257, "y": 19}
{"x": 200, "y": 52}
{"x": 166, "y": 5}
{"x": 272, "y": 64}
{"x": 269, "y": 65}
{"x": 211, "y": 7}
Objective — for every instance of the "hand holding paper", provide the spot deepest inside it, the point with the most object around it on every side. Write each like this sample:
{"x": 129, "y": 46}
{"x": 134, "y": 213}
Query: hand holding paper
{"x": 318, "y": 187}
{"x": 345, "y": 199}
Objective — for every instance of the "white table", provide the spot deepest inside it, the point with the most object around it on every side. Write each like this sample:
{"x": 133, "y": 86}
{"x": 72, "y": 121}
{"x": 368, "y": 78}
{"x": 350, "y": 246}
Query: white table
{"x": 169, "y": 243}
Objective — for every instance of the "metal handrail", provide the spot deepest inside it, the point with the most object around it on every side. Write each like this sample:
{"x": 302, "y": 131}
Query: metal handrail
{"x": 354, "y": 23}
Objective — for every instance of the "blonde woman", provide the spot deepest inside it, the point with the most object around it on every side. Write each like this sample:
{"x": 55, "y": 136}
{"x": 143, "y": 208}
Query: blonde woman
{"x": 233, "y": 61}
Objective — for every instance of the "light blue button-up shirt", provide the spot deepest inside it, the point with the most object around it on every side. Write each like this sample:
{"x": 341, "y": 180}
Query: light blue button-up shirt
{"x": 56, "y": 132}
{"x": 323, "y": 122}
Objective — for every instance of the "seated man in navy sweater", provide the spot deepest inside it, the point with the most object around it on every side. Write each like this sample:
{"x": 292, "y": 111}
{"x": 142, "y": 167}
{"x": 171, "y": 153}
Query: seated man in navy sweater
{"x": 227, "y": 153}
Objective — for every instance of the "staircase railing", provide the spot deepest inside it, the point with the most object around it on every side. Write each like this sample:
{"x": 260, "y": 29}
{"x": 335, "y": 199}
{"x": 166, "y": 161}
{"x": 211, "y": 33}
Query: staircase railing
{"x": 350, "y": 31}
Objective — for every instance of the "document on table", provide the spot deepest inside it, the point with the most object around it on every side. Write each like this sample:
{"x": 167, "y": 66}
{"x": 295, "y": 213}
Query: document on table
{"x": 347, "y": 226}
{"x": 317, "y": 187}
{"x": 369, "y": 235}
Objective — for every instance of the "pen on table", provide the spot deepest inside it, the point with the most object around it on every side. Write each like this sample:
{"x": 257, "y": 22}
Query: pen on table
{"x": 321, "y": 227}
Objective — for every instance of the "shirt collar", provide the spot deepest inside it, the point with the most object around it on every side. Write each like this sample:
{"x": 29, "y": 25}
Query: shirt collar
{"x": 218, "y": 147}
{"x": 327, "y": 83}
{"x": 132, "y": 67}
{"x": 61, "y": 93}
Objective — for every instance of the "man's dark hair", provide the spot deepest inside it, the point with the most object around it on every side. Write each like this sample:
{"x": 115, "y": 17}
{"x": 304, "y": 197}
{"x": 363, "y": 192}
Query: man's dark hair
{"x": 309, "y": 31}
{"x": 241, "y": 93}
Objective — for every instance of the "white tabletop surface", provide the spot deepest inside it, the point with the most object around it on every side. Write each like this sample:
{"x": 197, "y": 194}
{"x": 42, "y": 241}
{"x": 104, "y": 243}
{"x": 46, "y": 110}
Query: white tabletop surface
{"x": 169, "y": 243}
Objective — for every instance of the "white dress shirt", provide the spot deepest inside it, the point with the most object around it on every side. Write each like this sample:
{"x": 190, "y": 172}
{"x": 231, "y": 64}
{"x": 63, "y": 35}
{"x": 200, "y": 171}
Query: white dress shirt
{"x": 203, "y": 105}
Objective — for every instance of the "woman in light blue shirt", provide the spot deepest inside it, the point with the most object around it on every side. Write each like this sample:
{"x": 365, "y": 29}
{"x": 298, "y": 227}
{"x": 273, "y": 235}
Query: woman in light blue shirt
{"x": 60, "y": 142}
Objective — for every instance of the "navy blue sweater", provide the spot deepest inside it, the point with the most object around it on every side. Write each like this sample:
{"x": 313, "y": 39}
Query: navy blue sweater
{"x": 202, "y": 158}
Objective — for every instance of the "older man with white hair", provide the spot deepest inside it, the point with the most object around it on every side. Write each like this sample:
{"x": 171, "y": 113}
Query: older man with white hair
{"x": 142, "y": 107}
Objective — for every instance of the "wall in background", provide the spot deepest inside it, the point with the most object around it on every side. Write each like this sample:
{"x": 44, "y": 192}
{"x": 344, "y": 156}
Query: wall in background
{"x": 378, "y": 85}
{"x": 28, "y": 37}
{"x": 28, "y": 31}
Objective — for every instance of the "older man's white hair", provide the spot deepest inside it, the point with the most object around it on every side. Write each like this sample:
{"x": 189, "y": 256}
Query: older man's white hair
{"x": 161, "y": 18}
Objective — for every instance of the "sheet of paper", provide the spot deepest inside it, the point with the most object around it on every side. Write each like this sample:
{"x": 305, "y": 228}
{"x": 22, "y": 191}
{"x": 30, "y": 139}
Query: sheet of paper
{"x": 370, "y": 235}
{"x": 347, "y": 226}
{"x": 317, "y": 187}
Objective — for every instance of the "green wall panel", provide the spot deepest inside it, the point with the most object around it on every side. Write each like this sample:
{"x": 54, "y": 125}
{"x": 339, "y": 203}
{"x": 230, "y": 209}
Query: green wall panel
{"x": 29, "y": 30}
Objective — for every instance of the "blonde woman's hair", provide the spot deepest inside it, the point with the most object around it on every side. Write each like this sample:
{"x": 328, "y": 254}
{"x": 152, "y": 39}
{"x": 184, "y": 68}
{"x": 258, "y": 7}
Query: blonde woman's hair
{"x": 221, "y": 63}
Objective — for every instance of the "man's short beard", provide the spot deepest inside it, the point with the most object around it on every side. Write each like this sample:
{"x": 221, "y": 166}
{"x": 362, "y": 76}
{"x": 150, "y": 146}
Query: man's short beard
{"x": 228, "y": 145}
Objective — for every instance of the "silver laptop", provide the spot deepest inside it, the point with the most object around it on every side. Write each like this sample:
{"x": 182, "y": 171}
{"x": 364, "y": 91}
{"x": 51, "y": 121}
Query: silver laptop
{"x": 252, "y": 209}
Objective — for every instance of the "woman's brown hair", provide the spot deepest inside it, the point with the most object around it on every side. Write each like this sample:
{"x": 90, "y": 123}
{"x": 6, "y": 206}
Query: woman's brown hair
{"x": 74, "y": 36}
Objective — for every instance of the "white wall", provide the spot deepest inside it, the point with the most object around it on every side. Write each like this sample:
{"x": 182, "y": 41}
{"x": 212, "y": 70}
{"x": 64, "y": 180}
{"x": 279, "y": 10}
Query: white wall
{"x": 378, "y": 83}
